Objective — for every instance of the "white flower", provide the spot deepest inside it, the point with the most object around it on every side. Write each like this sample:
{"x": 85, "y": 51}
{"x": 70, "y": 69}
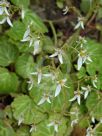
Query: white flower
{"x": 81, "y": 41}
{"x": 65, "y": 10}
{"x": 80, "y": 23}
{"x": 3, "y": 7}
{"x": 89, "y": 131}
{"x": 36, "y": 47}
{"x": 94, "y": 81}
{"x": 55, "y": 124}
{"x": 28, "y": 37}
{"x": 87, "y": 90}
{"x": 20, "y": 120}
{"x": 33, "y": 128}
{"x": 45, "y": 97}
{"x": 82, "y": 58}
{"x": 40, "y": 74}
{"x": 31, "y": 83}
{"x": 76, "y": 97}
{"x": 59, "y": 53}
{"x": 73, "y": 122}
{"x": 60, "y": 84}
{"x": 6, "y": 18}
{"x": 101, "y": 120}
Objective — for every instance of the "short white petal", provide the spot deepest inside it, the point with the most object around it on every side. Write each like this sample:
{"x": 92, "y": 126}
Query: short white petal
{"x": 22, "y": 14}
{"x": 34, "y": 73}
{"x": 56, "y": 127}
{"x": 93, "y": 119}
{"x": 89, "y": 59}
{"x": 31, "y": 86}
{"x": 31, "y": 42}
{"x": 58, "y": 89}
{"x": 60, "y": 58}
{"x": 82, "y": 25}
{"x": 73, "y": 99}
{"x": 36, "y": 47}
{"x": 3, "y": 21}
{"x": 79, "y": 62}
{"x": 84, "y": 88}
{"x": 53, "y": 55}
{"x": 47, "y": 75}
{"x": 50, "y": 124}
{"x": 41, "y": 101}
{"x": 6, "y": 11}
{"x": 26, "y": 34}
{"x": 48, "y": 100}
{"x": 9, "y": 22}
{"x": 94, "y": 84}
{"x": 39, "y": 77}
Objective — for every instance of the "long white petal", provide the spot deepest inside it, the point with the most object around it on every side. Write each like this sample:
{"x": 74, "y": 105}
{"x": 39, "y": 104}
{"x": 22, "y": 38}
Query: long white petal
{"x": 47, "y": 75}
{"x": 9, "y": 22}
{"x": 27, "y": 32}
{"x": 56, "y": 127}
{"x": 3, "y": 21}
{"x": 39, "y": 77}
{"x": 36, "y": 47}
{"x": 78, "y": 99}
{"x": 73, "y": 99}
{"x": 58, "y": 89}
{"x": 60, "y": 58}
{"x": 22, "y": 14}
{"x": 79, "y": 62}
{"x": 86, "y": 94}
{"x": 31, "y": 42}
{"x": 77, "y": 26}
{"x": 53, "y": 55}
{"x": 41, "y": 101}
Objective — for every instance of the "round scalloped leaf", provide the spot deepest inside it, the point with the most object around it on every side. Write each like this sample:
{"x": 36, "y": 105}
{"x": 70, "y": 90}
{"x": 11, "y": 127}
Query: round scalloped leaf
{"x": 8, "y": 53}
{"x": 24, "y": 65}
{"x": 8, "y": 81}
{"x": 6, "y": 129}
{"x": 24, "y": 108}
{"x": 23, "y": 131}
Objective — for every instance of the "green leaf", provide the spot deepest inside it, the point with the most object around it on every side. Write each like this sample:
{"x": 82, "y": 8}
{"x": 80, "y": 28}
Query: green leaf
{"x": 94, "y": 104}
{"x": 8, "y": 52}
{"x": 85, "y": 5}
{"x": 6, "y": 129}
{"x": 8, "y": 81}
{"x": 37, "y": 22}
{"x": 23, "y": 107}
{"x": 17, "y": 31}
{"x": 24, "y": 65}
{"x": 20, "y": 3}
{"x": 23, "y": 131}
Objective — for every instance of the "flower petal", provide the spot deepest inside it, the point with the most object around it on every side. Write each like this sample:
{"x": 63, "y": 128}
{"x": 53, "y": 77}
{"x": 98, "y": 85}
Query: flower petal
{"x": 78, "y": 99}
{"x": 56, "y": 127}
{"x": 9, "y": 22}
{"x": 48, "y": 100}
{"x": 79, "y": 62}
{"x": 58, "y": 89}
{"x": 1, "y": 10}
{"x": 60, "y": 58}
{"x": 86, "y": 94}
{"x": 53, "y": 55}
{"x": 73, "y": 99}
{"x": 41, "y": 101}
{"x": 39, "y": 77}
{"x": 3, "y": 21}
